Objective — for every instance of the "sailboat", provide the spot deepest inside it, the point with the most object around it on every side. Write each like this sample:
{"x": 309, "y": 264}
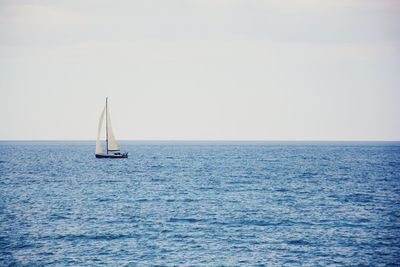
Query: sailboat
{"x": 112, "y": 148}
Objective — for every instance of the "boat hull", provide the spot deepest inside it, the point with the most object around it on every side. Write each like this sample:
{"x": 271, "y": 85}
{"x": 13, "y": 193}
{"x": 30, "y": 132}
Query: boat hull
{"x": 112, "y": 156}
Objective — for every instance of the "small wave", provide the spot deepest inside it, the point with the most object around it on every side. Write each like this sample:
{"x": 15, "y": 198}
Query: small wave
{"x": 180, "y": 236}
{"x": 206, "y": 188}
{"x": 186, "y": 220}
{"x": 220, "y": 223}
{"x": 357, "y": 198}
{"x": 282, "y": 190}
{"x": 22, "y": 246}
{"x": 392, "y": 163}
{"x": 157, "y": 179}
{"x": 103, "y": 199}
{"x": 143, "y": 200}
{"x": 183, "y": 200}
{"x": 299, "y": 242}
{"x": 55, "y": 217}
{"x": 240, "y": 182}
{"x": 72, "y": 237}
{"x": 156, "y": 166}
{"x": 111, "y": 181}
{"x": 271, "y": 223}
{"x": 258, "y": 223}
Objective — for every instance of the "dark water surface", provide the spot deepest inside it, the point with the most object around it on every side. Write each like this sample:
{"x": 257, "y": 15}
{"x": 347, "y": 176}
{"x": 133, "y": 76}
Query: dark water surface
{"x": 200, "y": 203}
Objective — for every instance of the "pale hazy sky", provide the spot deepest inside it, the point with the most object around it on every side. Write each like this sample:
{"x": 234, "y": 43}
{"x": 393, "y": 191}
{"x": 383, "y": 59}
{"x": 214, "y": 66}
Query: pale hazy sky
{"x": 201, "y": 69}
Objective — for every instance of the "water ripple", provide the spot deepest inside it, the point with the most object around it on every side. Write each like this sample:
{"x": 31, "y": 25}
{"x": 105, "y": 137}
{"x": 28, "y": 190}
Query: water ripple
{"x": 199, "y": 203}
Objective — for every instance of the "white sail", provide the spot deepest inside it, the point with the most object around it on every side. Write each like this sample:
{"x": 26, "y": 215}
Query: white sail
{"x": 99, "y": 148}
{"x": 112, "y": 142}
{"x": 112, "y": 148}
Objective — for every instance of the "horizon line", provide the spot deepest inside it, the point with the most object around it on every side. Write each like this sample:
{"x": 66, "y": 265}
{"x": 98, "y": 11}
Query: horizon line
{"x": 205, "y": 140}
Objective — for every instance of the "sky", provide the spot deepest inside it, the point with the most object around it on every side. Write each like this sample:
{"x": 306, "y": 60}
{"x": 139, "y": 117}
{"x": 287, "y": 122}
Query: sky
{"x": 201, "y": 69}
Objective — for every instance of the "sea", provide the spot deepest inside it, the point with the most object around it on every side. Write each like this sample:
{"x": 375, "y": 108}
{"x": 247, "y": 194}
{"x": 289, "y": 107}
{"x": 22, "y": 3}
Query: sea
{"x": 200, "y": 203}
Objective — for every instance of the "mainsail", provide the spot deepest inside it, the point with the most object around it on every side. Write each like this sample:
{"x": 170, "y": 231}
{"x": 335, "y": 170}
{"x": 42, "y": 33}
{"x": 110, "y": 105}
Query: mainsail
{"x": 99, "y": 148}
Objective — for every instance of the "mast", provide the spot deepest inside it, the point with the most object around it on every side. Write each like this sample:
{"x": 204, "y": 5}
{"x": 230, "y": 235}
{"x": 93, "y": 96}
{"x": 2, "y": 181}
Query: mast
{"x": 106, "y": 126}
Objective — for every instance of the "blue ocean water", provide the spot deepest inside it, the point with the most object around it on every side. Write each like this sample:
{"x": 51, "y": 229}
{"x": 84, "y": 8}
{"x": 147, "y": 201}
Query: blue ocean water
{"x": 200, "y": 203}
